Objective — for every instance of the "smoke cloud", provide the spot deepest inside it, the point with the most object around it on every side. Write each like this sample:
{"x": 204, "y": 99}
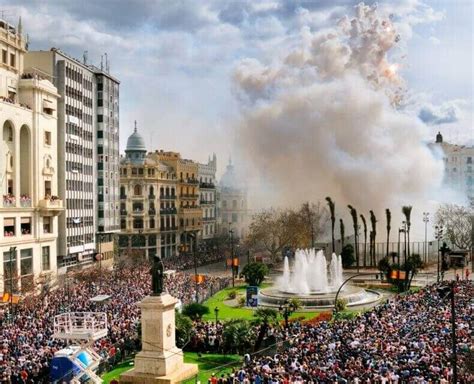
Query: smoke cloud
{"x": 322, "y": 120}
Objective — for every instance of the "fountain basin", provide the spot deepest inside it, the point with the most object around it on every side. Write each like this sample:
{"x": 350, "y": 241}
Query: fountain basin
{"x": 355, "y": 296}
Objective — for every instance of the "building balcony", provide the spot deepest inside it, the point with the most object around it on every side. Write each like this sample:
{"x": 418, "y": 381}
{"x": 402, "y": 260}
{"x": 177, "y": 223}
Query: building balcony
{"x": 208, "y": 219}
{"x": 168, "y": 211}
{"x": 151, "y": 197}
{"x": 168, "y": 197}
{"x": 9, "y": 201}
{"x": 123, "y": 197}
{"x": 207, "y": 186}
{"x": 51, "y": 206}
{"x": 189, "y": 181}
{"x": 169, "y": 229}
{"x": 138, "y": 211}
{"x": 190, "y": 209}
{"x": 152, "y": 211}
{"x": 207, "y": 202}
{"x": 189, "y": 196}
{"x": 123, "y": 212}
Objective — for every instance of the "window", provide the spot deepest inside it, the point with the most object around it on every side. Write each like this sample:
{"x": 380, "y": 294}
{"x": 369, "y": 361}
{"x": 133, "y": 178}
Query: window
{"x": 224, "y": 204}
{"x": 25, "y": 226}
{"x": 26, "y": 261}
{"x": 47, "y": 225}
{"x": 9, "y": 226}
{"x": 138, "y": 223}
{"x": 47, "y": 138}
{"x": 47, "y": 188}
{"x": 137, "y": 190}
{"x": 10, "y": 272}
{"x": 12, "y": 60}
{"x": 45, "y": 260}
{"x": 4, "y": 56}
{"x": 234, "y": 204}
{"x": 234, "y": 218}
{"x": 469, "y": 160}
{"x": 152, "y": 223}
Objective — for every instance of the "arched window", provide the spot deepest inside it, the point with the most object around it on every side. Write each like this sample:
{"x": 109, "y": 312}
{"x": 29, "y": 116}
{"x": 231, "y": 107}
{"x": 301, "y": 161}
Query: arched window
{"x": 137, "y": 190}
{"x": 7, "y": 131}
{"x": 152, "y": 191}
{"x": 122, "y": 191}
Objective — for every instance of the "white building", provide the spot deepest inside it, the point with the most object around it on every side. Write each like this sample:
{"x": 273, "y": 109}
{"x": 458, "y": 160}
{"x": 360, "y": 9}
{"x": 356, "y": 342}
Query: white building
{"x": 232, "y": 203}
{"x": 207, "y": 192}
{"x": 88, "y": 155}
{"x": 28, "y": 169}
{"x": 459, "y": 166}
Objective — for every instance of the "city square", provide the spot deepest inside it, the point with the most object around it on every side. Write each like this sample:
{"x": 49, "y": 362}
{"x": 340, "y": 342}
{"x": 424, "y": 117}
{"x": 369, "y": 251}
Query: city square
{"x": 256, "y": 192}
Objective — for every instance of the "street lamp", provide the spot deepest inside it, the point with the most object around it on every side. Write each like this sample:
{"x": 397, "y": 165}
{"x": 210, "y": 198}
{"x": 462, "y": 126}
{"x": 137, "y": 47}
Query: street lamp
{"x": 216, "y": 313}
{"x": 438, "y": 236}
{"x": 12, "y": 251}
{"x": 231, "y": 233}
{"x": 286, "y": 309}
{"x": 426, "y": 219}
{"x": 400, "y": 230}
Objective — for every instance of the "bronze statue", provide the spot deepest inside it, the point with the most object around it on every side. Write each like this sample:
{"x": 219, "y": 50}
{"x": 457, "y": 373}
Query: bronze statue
{"x": 157, "y": 276}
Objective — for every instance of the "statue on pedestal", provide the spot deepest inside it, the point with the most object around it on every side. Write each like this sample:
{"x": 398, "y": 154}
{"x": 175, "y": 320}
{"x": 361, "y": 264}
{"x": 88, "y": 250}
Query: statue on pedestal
{"x": 157, "y": 276}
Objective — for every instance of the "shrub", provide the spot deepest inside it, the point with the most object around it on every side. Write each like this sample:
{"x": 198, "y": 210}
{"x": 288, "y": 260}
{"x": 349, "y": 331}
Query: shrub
{"x": 241, "y": 301}
{"x": 340, "y": 304}
{"x": 195, "y": 311}
{"x": 232, "y": 295}
{"x": 255, "y": 273}
{"x": 347, "y": 255}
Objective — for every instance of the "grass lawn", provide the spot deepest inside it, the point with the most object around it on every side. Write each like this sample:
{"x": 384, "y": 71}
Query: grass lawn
{"x": 227, "y": 313}
{"x": 207, "y": 363}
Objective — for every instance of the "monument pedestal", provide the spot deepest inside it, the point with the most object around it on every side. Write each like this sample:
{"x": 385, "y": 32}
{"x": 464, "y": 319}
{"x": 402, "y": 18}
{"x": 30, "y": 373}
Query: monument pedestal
{"x": 160, "y": 361}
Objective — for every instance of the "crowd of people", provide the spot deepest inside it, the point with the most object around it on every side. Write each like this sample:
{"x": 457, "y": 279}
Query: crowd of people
{"x": 26, "y": 342}
{"x": 186, "y": 261}
{"x": 406, "y": 340}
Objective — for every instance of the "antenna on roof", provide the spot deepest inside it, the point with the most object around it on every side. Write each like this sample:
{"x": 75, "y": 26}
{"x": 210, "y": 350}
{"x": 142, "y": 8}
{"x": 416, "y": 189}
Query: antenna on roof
{"x": 106, "y": 62}
{"x": 135, "y": 129}
{"x": 101, "y": 62}
{"x": 84, "y": 56}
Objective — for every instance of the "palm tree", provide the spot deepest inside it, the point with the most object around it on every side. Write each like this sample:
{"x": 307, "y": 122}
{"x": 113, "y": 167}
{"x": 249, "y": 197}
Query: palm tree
{"x": 264, "y": 317}
{"x": 356, "y": 233}
{"x": 388, "y": 214}
{"x": 365, "y": 238}
{"x": 341, "y": 226}
{"x": 406, "y": 210}
{"x": 332, "y": 210}
{"x": 373, "y": 234}
{"x": 236, "y": 336}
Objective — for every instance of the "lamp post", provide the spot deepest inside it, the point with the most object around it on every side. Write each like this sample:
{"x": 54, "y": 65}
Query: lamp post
{"x": 12, "y": 251}
{"x": 400, "y": 230}
{"x": 438, "y": 236}
{"x": 344, "y": 283}
{"x": 231, "y": 233}
{"x": 216, "y": 313}
{"x": 426, "y": 219}
{"x": 404, "y": 223}
{"x": 286, "y": 309}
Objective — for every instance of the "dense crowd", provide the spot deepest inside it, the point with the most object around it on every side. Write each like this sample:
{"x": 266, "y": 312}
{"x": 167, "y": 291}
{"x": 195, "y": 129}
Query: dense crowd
{"x": 406, "y": 340}
{"x": 186, "y": 261}
{"x": 27, "y": 346}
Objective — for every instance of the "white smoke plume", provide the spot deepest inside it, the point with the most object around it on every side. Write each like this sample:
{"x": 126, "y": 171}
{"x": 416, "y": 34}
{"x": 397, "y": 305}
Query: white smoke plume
{"x": 323, "y": 121}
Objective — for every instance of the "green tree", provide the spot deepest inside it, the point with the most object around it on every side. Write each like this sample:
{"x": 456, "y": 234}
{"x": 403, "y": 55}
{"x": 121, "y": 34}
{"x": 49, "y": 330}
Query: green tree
{"x": 406, "y": 210}
{"x": 264, "y": 317}
{"x": 332, "y": 211}
{"x": 195, "y": 311}
{"x": 341, "y": 228}
{"x": 347, "y": 255}
{"x": 183, "y": 330}
{"x": 365, "y": 238}
{"x": 413, "y": 265}
{"x": 255, "y": 273}
{"x": 355, "y": 225}
{"x": 373, "y": 235}
{"x": 294, "y": 303}
{"x": 388, "y": 216}
{"x": 236, "y": 336}
{"x": 458, "y": 223}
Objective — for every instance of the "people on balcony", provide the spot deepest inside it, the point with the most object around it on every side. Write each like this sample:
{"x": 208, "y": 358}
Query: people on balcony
{"x": 9, "y": 200}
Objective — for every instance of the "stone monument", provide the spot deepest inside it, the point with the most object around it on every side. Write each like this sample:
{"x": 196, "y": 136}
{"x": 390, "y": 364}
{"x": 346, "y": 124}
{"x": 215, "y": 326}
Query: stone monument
{"x": 159, "y": 361}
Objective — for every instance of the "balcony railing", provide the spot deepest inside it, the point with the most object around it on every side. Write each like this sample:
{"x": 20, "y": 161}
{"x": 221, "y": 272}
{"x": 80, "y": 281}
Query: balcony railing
{"x": 152, "y": 211}
{"x": 25, "y": 201}
{"x": 168, "y": 211}
{"x": 208, "y": 218}
{"x": 207, "y": 202}
{"x": 189, "y": 181}
{"x": 123, "y": 212}
{"x": 52, "y": 205}
{"x": 9, "y": 201}
{"x": 207, "y": 185}
{"x": 168, "y": 229}
{"x": 151, "y": 197}
{"x": 138, "y": 211}
{"x": 167, "y": 197}
{"x": 191, "y": 196}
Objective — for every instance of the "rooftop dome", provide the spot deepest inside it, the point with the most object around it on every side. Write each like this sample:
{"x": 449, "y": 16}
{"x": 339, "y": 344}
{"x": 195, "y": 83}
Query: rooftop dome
{"x": 135, "y": 142}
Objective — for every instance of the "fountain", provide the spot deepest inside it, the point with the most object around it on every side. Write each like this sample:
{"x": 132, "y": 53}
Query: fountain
{"x": 314, "y": 283}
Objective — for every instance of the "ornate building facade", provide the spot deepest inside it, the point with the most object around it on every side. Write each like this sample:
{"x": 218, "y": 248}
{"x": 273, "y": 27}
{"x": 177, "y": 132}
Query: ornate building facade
{"x": 207, "y": 191}
{"x": 28, "y": 169}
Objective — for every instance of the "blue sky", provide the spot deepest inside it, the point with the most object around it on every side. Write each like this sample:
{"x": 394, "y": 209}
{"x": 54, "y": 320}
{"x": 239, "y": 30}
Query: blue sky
{"x": 176, "y": 59}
